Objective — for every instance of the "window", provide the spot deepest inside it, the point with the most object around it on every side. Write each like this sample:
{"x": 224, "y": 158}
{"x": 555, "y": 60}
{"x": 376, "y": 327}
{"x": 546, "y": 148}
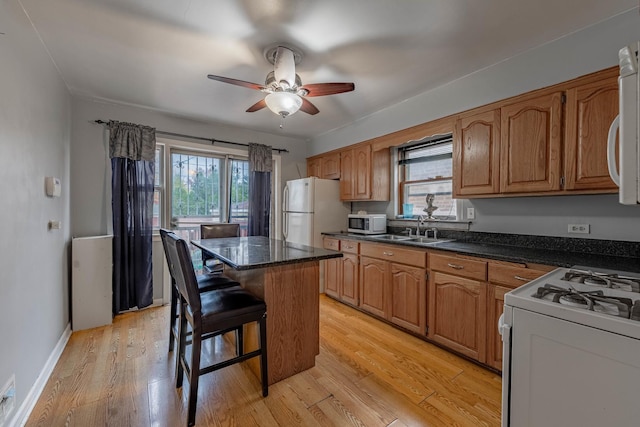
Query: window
{"x": 208, "y": 188}
{"x": 425, "y": 168}
{"x": 158, "y": 188}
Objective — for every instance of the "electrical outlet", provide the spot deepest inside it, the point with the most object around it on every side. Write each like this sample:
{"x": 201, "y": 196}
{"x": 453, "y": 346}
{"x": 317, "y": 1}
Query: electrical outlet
{"x": 579, "y": 228}
{"x": 471, "y": 213}
{"x": 7, "y": 399}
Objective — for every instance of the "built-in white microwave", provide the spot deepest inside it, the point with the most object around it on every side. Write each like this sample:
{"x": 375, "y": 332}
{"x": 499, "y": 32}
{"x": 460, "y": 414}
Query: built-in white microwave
{"x": 627, "y": 177}
{"x": 367, "y": 223}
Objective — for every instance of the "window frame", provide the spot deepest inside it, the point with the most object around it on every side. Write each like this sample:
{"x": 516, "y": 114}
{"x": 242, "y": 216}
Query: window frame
{"x": 401, "y": 182}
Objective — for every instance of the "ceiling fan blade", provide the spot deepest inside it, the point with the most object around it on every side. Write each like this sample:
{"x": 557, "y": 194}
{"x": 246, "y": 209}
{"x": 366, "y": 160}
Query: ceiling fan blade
{"x": 322, "y": 89}
{"x": 308, "y": 107}
{"x": 257, "y": 106}
{"x": 284, "y": 67}
{"x": 237, "y": 82}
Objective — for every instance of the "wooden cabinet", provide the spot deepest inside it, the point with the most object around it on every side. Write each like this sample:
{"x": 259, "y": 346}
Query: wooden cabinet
{"x": 393, "y": 284}
{"x": 326, "y": 166}
{"x": 531, "y": 138}
{"x": 476, "y": 157}
{"x": 341, "y": 274}
{"x": 374, "y": 295}
{"x": 457, "y": 304}
{"x": 503, "y": 277}
{"x": 364, "y": 174}
{"x": 590, "y": 109}
{"x": 330, "y": 166}
{"x": 314, "y": 167}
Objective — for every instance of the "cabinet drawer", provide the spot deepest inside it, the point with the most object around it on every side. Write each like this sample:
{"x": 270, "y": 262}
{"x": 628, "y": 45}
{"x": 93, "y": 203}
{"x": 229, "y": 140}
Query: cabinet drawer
{"x": 349, "y": 246}
{"x": 512, "y": 276}
{"x": 331, "y": 243}
{"x": 458, "y": 266}
{"x": 395, "y": 254}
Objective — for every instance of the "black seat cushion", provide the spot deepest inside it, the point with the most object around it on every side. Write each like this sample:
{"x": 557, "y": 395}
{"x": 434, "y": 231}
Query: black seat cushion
{"x": 223, "y": 304}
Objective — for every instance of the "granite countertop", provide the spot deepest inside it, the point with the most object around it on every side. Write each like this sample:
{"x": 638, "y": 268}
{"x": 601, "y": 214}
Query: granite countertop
{"x": 558, "y": 252}
{"x": 246, "y": 253}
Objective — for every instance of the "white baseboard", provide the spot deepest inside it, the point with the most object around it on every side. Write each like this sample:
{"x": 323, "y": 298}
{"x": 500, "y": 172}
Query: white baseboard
{"x": 21, "y": 417}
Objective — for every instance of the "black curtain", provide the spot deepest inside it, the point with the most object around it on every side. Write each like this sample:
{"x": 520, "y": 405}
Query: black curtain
{"x": 260, "y": 167}
{"x": 132, "y": 150}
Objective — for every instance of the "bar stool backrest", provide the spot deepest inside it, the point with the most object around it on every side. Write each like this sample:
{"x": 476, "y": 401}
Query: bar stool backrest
{"x": 185, "y": 276}
{"x": 215, "y": 231}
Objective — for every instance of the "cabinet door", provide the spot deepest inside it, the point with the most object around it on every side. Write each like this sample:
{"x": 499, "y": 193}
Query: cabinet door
{"x": 590, "y": 110}
{"x": 409, "y": 299}
{"x": 362, "y": 178}
{"x": 332, "y": 276}
{"x": 331, "y": 166}
{"x": 495, "y": 308}
{"x": 531, "y": 138}
{"x": 347, "y": 174}
{"x": 314, "y": 168}
{"x": 476, "y": 159}
{"x": 349, "y": 292}
{"x": 457, "y": 314}
{"x": 373, "y": 295}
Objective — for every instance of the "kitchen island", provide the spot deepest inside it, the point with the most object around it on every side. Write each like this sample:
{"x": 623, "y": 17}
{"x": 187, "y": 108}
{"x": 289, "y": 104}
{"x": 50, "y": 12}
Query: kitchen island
{"x": 286, "y": 276}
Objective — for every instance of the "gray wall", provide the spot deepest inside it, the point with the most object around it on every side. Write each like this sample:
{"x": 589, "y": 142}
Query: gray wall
{"x": 34, "y": 143}
{"x": 90, "y": 169}
{"x": 586, "y": 51}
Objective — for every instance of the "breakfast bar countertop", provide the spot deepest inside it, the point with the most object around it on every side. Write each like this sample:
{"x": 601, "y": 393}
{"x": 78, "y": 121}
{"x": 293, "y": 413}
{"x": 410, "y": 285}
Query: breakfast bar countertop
{"x": 246, "y": 253}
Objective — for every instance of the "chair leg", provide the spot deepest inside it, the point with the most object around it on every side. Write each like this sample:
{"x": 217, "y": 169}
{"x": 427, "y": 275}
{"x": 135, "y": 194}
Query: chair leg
{"x": 240, "y": 341}
{"x": 194, "y": 373}
{"x": 182, "y": 343}
{"x": 173, "y": 315}
{"x": 263, "y": 356}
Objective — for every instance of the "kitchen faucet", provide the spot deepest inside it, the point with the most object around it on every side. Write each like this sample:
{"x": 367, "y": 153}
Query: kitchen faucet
{"x": 435, "y": 232}
{"x": 421, "y": 220}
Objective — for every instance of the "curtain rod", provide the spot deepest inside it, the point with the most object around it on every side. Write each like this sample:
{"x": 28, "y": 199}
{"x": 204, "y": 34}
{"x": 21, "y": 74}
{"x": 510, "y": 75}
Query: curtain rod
{"x": 211, "y": 140}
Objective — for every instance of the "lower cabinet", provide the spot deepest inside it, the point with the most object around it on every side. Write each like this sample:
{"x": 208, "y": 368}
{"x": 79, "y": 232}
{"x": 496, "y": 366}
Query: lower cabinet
{"x": 341, "y": 274}
{"x": 495, "y": 308}
{"x": 457, "y": 314}
{"x": 393, "y": 284}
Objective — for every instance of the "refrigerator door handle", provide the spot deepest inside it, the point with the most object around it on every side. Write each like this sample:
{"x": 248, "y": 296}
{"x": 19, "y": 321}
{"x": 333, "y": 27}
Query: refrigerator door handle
{"x": 285, "y": 199}
{"x": 505, "y": 332}
{"x": 285, "y": 225}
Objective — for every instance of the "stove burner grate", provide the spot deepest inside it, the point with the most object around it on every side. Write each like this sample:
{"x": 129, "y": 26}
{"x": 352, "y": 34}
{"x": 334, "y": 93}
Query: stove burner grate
{"x": 612, "y": 281}
{"x": 591, "y": 300}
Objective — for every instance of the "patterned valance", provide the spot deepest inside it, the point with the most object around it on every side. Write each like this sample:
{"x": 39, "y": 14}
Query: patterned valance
{"x": 132, "y": 141}
{"x": 260, "y": 159}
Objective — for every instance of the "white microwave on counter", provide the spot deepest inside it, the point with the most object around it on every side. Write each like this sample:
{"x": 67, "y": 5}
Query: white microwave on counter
{"x": 367, "y": 223}
{"x": 627, "y": 124}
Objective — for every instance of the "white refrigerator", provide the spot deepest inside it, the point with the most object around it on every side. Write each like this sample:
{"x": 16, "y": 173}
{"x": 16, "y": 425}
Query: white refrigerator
{"x": 310, "y": 207}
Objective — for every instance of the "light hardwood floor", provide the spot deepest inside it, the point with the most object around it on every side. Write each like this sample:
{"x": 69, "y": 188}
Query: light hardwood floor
{"x": 367, "y": 374}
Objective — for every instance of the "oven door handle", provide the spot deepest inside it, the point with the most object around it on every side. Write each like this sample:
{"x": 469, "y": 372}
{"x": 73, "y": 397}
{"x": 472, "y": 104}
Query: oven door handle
{"x": 505, "y": 332}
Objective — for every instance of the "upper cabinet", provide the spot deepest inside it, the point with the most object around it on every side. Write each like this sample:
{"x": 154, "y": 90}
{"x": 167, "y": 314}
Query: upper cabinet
{"x": 364, "y": 173}
{"x": 531, "y": 138}
{"x": 476, "y": 156}
{"x": 550, "y": 141}
{"x": 326, "y": 166}
{"x": 590, "y": 109}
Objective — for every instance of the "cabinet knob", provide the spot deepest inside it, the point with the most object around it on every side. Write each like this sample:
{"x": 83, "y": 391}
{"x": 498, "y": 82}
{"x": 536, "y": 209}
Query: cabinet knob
{"x": 522, "y": 279}
{"x": 387, "y": 253}
{"x": 456, "y": 266}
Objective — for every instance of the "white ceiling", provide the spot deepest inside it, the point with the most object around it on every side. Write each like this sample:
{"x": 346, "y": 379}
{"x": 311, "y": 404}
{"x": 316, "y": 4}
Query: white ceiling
{"x": 157, "y": 53}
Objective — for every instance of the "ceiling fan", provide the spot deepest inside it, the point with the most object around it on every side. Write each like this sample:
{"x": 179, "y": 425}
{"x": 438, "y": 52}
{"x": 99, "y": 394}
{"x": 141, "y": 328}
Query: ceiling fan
{"x": 285, "y": 92}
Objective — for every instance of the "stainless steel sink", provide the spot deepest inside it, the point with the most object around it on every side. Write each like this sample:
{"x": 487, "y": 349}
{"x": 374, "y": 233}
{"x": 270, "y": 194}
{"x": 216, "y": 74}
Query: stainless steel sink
{"x": 391, "y": 237}
{"x": 424, "y": 239}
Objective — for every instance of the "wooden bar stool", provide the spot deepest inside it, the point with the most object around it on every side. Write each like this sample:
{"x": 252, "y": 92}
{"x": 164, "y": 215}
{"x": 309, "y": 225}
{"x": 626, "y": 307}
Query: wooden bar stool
{"x": 210, "y": 314}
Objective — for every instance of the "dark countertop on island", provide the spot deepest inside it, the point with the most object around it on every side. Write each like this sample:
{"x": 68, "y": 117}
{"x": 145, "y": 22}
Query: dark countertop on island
{"x": 246, "y": 253}
{"x": 557, "y": 252}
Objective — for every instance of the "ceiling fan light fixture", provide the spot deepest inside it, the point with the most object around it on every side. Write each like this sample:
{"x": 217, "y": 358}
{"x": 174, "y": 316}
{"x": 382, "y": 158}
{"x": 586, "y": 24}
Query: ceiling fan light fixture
{"x": 283, "y": 103}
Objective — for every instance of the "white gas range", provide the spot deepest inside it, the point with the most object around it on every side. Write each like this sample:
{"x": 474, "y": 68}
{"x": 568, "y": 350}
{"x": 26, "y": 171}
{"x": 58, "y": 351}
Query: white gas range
{"x": 572, "y": 350}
